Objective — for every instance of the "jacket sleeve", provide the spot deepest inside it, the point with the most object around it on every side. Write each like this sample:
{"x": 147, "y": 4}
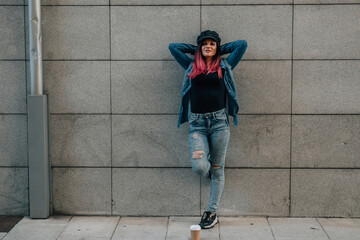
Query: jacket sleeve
{"x": 179, "y": 50}
{"x": 236, "y": 50}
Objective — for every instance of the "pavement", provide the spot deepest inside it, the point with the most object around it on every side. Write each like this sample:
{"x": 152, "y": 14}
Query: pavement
{"x": 63, "y": 227}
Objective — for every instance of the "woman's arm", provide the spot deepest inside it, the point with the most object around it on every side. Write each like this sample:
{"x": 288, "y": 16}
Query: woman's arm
{"x": 236, "y": 50}
{"x": 179, "y": 50}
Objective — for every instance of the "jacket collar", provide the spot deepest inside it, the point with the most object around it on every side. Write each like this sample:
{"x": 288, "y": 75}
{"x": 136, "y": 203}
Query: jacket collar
{"x": 222, "y": 64}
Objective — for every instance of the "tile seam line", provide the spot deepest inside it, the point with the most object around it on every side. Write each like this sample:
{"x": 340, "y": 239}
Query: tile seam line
{"x": 111, "y": 122}
{"x": 62, "y": 230}
{"x": 167, "y": 227}
{"x": 291, "y": 103}
{"x": 156, "y": 167}
{"x": 272, "y": 232}
{"x": 187, "y": 5}
{"x": 169, "y": 5}
{"x": 171, "y": 60}
{"x": 175, "y": 114}
{"x": 116, "y": 226}
{"x": 27, "y": 120}
{"x": 328, "y": 237}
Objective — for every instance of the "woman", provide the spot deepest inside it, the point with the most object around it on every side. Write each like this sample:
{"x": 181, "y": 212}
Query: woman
{"x": 210, "y": 89}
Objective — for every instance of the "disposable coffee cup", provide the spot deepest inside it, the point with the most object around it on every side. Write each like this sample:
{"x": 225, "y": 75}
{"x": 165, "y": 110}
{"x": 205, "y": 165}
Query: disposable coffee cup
{"x": 195, "y": 232}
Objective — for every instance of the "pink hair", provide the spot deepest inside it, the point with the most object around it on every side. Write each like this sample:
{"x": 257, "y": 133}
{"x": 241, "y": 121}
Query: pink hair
{"x": 199, "y": 64}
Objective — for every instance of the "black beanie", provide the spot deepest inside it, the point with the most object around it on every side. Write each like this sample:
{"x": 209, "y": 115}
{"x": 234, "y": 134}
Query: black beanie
{"x": 208, "y": 34}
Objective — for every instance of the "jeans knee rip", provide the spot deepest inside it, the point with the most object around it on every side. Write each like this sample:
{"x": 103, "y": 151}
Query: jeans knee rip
{"x": 198, "y": 154}
{"x": 215, "y": 166}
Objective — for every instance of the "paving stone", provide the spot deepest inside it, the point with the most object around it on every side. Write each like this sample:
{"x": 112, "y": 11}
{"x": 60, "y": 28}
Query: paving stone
{"x": 245, "y": 228}
{"x": 341, "y": 228}
{"x": 179, "y": 228}
{"x": 92, "y": 227}
{"x": 38, "y": 229}
{"x": 134, "y": 228}
{"x": 2, "y": 235}
{"x": 297, "y": 229}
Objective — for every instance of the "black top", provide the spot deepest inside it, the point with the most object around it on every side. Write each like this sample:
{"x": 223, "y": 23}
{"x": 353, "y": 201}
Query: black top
{"x": 207, "y": 93}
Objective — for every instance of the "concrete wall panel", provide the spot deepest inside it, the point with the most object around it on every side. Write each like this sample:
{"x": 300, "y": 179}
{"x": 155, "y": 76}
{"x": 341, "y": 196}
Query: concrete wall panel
{"x": 326, "y": 87}
{"x": 149, "y": 30}
{"x": 155, "y": 191}
{"x": 74, "y": 32}
{"x": 146, "y": 86}
{"x": 325, "y": 1}
{"x": 11, "y": 2}
{"x": 84, "y": 191}
{"x": 13, "y": 87}
{"x": 14, "y": 191}
{"x": 233, "y": 2}
{"x": 326, "y": 141}
{"x": 149, "y": 141}
{"x": 12, "y": 39}
{"x": 325, "y": 192}
{"x": 267, "y": 29}
{"x": 263, "y": 86}
{"x": 76, "y": 86}
{"x": 259, "y": 141}
{"x": 252, "y": 192}
{"x": 154, "y": 2}
{"x": 327, "y": 32}
{"x": 72, "y": 2}
{"x": 80, "y": 140}
{"x": 13, "y": 140}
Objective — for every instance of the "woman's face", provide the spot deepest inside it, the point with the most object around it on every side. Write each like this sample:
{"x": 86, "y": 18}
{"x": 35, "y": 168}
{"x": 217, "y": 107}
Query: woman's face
{"x": 208, "y": 47}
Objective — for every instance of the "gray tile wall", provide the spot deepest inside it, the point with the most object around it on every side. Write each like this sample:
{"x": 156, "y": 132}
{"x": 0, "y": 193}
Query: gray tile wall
{"x": 114, "y": 96}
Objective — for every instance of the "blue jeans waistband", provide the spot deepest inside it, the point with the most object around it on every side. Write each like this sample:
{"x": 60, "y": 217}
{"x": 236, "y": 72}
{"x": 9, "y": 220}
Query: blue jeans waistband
{"x": 208, "y": 114}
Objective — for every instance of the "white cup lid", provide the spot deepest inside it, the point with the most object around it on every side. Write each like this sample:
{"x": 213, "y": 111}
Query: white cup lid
{"x": 195, "y": 227}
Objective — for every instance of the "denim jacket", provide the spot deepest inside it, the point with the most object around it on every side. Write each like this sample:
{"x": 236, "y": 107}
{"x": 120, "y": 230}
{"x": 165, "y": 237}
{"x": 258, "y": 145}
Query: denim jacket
{"x": 237, "y": 50}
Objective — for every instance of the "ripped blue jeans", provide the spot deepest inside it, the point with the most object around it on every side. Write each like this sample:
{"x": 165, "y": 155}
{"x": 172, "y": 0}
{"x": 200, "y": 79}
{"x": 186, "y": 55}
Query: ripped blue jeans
{"x": 209, "y": 135}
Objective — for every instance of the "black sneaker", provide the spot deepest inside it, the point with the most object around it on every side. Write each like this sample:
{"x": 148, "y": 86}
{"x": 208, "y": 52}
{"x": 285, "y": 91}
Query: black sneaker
{"x": 208, "y": 220}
